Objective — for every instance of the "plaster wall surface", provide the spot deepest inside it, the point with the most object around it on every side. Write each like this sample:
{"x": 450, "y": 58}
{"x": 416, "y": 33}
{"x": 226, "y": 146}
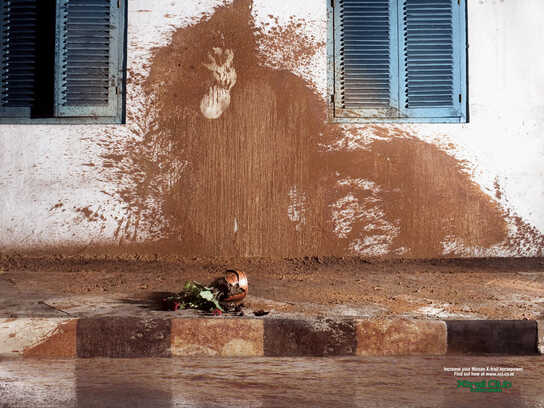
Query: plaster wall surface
{"x": 259, "y": 172}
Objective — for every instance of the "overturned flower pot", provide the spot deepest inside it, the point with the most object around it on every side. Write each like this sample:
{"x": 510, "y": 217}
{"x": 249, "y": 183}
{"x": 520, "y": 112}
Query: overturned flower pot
{"x": 223, "y": 294}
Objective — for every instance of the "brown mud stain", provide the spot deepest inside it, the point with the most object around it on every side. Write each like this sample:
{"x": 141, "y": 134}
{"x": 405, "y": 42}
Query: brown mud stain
{"x": 287, "y": 46}
{"x": 257, "y": 181}
{"x": 88, "y": 214}
{"x": 498, "y": 190}
{"x": 61, "y": 343}
{"x": 56, "y": 206}
{"x": 525, "y": 238}
{"x": 425, "y": 194}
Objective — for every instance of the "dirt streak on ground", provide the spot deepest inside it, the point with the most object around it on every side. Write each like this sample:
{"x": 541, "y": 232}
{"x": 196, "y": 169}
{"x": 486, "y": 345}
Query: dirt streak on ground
{"x": 494, "y": 288}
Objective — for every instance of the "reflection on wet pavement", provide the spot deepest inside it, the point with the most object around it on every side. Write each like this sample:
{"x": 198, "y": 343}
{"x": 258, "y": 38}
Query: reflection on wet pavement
{"x": 263, "y": 382}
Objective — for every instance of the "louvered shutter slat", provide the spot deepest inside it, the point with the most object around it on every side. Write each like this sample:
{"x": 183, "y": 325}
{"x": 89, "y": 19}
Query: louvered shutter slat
{"x": 18, "y": 48}
{"x": 88, "y": 78}
{"x": 431, "y": 43}
{"x": 366, "y": 69}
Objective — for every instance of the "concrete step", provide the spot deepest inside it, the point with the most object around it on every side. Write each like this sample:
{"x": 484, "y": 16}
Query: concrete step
{"x": 230, "y": 336}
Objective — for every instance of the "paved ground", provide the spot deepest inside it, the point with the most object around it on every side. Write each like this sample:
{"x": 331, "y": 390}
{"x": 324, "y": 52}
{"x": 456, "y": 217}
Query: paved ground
{"x": 263, "y": 382}
{"x": 439, "y": 289}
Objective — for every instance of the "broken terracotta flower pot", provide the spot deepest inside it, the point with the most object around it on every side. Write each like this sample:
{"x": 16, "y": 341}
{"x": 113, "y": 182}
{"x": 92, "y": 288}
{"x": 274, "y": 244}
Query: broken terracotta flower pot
{"x": 238, "y": 281}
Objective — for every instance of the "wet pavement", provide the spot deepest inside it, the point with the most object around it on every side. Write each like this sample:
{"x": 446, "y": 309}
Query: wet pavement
{"x": 266, "y": 382}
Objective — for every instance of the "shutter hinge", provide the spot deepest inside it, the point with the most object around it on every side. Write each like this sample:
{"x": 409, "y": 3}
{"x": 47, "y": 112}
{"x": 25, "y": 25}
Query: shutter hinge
{"x": 332, "y": 3}
{"x": 332, "y": 99}
{"x": 459, "y": 2}
{"x": 118, "y": 3}
{"x": 460, "y": 98}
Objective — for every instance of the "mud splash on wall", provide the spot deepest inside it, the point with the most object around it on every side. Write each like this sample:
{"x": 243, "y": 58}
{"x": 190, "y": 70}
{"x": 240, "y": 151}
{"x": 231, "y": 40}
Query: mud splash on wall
{"x": 424, "y": 193}
{"x": 269, "y": 176}
{"x": 288, "y": 46}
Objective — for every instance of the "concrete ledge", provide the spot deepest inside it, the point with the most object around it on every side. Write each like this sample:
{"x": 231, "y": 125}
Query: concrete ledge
{"x": 127, "y": 337}
{"x": 401, "y": 337}
{"x": 123, "y": 337}
{"x": 509, "y": 337}
{"x": 217, "y": 337}
{"x": 38, "y": 337}
{"x": 540, "y": 331}
{"x": 327, "y": 337}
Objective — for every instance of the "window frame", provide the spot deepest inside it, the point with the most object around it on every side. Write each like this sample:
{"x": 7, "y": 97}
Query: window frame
{"x": 395, "y": 81}
{"x": 120, "y": 110}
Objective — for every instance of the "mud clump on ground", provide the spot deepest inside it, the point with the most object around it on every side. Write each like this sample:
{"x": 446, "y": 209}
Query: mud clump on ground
{"x": 473, "y": 288}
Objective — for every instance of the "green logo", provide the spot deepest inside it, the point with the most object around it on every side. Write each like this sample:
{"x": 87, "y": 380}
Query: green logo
{"x": 481, "y": 386}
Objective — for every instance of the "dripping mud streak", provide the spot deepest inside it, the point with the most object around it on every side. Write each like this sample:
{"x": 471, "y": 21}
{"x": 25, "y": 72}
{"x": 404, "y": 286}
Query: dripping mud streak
{"x": 251, "y": 177}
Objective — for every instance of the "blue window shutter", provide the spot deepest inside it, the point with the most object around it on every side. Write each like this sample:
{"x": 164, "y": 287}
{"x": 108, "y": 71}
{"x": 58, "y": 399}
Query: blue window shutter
{"x": 432, "y": 59}
{"x": 18, "y": 52}
{"x": 365, "y": 59}
{"x": 88, "y": 58}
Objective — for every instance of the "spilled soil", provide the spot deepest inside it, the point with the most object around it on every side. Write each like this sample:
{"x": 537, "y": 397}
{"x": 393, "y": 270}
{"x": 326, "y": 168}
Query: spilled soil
{"x": 267, "y": 177}
{"x": 463, "y": 288}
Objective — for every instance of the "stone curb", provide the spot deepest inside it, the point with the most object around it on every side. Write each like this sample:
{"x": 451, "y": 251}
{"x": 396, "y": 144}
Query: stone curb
{"x": 509, "y": 337}
{"x": 130, "y": 337}
{"x": 540, "y": 324}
